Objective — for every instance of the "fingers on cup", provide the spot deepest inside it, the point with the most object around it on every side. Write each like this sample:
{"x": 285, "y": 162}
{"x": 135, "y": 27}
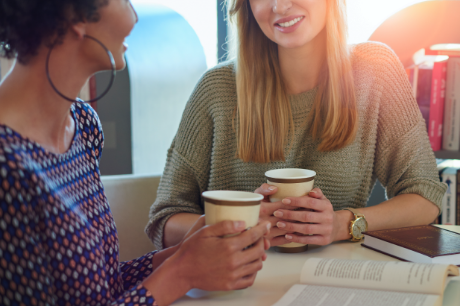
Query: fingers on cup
{"x": 245, "y": 282}
{"x": 255, "y": 252}
{"x": 224, "y": 228}
{"x": 304, "y": 202}
{"x": 275, "y": 232}
{"x": 279, "y": 240}
{"x": 300, "y": 216}
{"x": 250, "y": 236}
{"x": 316, "y": 193}
{"x": 314, "y": 239}
{"x": 266, "y": 189}
{"x": 306, "y": 229}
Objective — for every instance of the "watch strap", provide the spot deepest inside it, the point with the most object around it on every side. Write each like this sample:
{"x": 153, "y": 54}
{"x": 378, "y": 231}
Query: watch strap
{"x": 354, "y": 212}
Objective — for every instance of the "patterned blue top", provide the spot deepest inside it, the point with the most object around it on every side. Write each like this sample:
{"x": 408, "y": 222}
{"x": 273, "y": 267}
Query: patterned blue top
{"x": 58, "y": 241}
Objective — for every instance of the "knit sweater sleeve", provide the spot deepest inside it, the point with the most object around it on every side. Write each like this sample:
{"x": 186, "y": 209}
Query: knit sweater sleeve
{"x": 186, "y": 173}
{"x": 404, "y": 161}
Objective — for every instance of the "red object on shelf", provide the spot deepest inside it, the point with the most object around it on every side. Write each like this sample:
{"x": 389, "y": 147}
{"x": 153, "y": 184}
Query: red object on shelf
{"x": 438, "y": 90}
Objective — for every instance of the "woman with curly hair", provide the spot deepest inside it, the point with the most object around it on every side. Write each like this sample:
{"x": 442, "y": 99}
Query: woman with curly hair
{"x": 58, "y": 240}
{"x": 297, "y": 96}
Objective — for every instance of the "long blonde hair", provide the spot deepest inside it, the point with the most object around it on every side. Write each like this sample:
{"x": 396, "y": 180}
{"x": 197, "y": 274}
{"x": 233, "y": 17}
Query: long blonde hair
{"x": 264, "y": 116}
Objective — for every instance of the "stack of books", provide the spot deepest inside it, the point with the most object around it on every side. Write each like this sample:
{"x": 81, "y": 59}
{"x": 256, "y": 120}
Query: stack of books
{"x": 449, "y": 173}
{"x": 436, "y": 85}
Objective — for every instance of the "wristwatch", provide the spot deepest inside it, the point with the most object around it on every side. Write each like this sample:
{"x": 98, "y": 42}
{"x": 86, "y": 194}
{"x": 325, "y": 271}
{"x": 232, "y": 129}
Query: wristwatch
{"x": 357, "y": 226}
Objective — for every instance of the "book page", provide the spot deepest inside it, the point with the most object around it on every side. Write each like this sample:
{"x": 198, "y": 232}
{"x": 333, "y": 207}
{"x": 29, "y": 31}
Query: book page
{"x": 379, "y": 275}
{"x": 307, "y": 295}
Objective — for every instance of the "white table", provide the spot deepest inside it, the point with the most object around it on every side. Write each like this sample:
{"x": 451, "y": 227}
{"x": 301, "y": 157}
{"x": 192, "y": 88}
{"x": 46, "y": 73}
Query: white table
{"x": 281, "y": 271}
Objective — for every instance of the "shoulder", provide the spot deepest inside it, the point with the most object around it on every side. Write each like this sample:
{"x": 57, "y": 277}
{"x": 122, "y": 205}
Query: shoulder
{"x": 89, "y": 126}
{"x": 87, "y": 118}
{"x": 219, "y": 80}
{"x": 224, "y": 71}
{"x": 212, "y": 99}
{"x": 216, "y": 90}
{"x": 376, "y": 56}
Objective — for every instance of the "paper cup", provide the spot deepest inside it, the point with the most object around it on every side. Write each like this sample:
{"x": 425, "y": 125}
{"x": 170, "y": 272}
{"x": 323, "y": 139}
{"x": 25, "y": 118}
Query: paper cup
{"x": 291, "y": 182}
{"x": 221, "y": 205}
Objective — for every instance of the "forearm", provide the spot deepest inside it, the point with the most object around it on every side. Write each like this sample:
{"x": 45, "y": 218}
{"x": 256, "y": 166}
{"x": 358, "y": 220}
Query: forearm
{"x": 176, "y": 228}
{"x": 166, "y": 283}
{"x": 400, "y": 211}
{"x": 162, "y": 255}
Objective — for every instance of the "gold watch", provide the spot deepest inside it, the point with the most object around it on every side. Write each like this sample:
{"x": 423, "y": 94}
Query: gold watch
{"x": 357, "y": 226}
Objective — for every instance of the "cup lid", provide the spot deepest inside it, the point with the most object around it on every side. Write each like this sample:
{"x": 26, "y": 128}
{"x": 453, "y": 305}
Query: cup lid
{"x": 290, "y": 175}
{"x": 232, "y": 198}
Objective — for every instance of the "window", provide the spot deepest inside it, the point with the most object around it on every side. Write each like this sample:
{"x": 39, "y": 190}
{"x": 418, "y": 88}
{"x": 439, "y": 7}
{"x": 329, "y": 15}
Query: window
{"x": 201, "y": 15}
{"x": 172, "y": 45}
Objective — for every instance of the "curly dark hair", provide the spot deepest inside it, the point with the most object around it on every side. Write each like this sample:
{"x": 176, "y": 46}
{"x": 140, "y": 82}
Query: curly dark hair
{"x": 27, "y": 24}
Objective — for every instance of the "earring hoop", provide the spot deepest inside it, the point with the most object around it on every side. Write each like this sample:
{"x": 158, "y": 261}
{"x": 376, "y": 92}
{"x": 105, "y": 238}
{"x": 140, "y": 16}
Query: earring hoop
{"x": 112, "y": 77}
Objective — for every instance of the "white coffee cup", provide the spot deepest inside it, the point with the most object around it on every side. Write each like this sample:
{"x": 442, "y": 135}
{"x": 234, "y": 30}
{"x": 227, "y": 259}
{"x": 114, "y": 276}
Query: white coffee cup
{"x": 291, "y": 182}
{"x": 221, "y": 205}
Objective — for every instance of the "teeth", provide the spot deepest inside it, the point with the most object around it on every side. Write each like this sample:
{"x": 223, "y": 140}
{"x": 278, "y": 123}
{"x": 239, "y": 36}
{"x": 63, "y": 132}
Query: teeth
{"x": 290, "y": 23}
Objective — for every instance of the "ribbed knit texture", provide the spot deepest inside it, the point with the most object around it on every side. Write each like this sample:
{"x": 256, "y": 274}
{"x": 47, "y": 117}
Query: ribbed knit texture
{"x": 391, "y": 145}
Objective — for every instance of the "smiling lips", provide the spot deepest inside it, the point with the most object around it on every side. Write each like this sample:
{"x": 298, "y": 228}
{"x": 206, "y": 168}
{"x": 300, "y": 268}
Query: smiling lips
{"x": 289, "y": 24}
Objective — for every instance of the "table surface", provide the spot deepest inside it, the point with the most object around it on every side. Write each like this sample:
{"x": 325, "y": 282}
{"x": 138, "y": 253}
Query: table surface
{"x": 281, "y": 271}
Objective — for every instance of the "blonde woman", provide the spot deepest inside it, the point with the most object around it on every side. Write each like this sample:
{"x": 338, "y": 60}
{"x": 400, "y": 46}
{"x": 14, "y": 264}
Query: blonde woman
{"x": 298, "y": 96}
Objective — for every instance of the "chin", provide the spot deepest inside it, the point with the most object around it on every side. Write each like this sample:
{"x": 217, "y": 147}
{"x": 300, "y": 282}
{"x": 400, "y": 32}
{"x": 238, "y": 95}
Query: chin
{"x": 292, "y": 44}
{"x": 120, "y": 66}
{"x": 120, "y": 62}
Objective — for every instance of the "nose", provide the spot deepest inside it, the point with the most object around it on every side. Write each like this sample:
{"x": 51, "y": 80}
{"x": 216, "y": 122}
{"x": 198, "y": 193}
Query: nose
{"x": 281, "y": 7}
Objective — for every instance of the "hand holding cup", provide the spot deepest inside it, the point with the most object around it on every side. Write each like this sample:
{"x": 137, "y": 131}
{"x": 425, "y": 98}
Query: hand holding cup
{"x": 316, "y": 223}
{"x": 290, "y": 182}
{"x": 267, "y": 208}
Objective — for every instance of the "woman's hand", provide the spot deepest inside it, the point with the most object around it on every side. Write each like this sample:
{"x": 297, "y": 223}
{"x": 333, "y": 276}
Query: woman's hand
{"x": 198, "y": 225}
{"x": 206, "y": 260}
{"x": 277, "y": 235}
{"x": 201, "y": 223}
{"x": 319, "y": 224}
{"x": 211, "y": 262}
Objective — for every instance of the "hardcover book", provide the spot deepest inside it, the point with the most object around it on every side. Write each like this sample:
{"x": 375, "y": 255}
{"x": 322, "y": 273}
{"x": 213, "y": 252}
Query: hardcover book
{"x": 428, "y": 81}
{"x": 423, "y": 244}
{"x": 338, "y": 282}
{"x": 449, "y": 201}
{"x": 438, "y": 91}
{"x": 451, "y": 127}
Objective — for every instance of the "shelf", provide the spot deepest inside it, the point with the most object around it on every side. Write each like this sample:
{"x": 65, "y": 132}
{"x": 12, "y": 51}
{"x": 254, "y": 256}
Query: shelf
{"x": 443, "y": 154}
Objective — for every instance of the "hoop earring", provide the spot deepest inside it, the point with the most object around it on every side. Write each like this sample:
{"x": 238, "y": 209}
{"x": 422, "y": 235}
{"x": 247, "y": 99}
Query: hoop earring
{"x": 112, "y": 77}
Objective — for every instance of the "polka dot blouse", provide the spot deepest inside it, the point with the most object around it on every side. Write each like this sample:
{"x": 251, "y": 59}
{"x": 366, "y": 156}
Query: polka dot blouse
{"x": 58, "y": 240}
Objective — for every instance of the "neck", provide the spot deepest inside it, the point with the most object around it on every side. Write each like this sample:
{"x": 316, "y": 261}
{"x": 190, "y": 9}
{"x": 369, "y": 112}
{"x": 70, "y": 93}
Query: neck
{"x": 300, "y": 67}
{"x": 31, "y": 106}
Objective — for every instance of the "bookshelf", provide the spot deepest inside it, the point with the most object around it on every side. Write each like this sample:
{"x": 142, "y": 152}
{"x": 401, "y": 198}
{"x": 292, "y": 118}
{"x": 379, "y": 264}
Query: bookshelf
{"x": 419, "y": 26}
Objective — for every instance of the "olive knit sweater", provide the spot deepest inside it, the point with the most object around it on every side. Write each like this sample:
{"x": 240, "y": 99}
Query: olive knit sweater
{"x": 391, "y": 144}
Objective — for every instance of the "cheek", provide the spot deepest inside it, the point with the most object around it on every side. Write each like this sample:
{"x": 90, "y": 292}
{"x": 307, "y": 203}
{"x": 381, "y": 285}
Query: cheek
{"x": 319, "y": 16}
{"x": 261, "y": 10}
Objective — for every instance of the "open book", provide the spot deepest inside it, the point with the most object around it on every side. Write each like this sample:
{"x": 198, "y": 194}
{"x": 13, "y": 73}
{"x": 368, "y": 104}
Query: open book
{"x": 344, "y": 282}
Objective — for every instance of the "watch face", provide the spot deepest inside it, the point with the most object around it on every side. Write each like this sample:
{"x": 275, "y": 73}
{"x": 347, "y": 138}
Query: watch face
{"x": 359, "y": 226}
